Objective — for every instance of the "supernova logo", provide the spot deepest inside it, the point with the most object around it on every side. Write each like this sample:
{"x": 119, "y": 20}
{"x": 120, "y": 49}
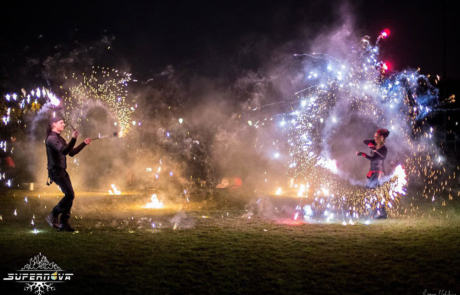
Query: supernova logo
{"x": 39, "y": 275}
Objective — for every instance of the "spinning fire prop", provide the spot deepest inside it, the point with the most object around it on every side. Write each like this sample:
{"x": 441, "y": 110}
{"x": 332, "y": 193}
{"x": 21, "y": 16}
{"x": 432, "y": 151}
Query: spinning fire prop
{"x": 355, "y": 89}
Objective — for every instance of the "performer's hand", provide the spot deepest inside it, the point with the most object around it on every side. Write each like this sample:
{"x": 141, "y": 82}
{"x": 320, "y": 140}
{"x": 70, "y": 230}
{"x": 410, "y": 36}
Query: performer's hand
{"x": 358, "y": 153}
{"x": 88, "y": 141}
{"x": 371, "y": 145}
{"x": 75, "y": 134}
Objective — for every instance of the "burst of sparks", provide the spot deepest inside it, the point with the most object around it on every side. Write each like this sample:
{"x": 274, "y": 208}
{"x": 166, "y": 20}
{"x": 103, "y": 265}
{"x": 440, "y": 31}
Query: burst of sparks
{"x": 105, "y": 87}
{"x": 361, "y": 83}
{"x": 108, "y": 86}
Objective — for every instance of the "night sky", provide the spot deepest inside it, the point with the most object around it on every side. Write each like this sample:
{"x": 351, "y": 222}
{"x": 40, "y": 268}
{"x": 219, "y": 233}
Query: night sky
{"x": 149, "y": 35}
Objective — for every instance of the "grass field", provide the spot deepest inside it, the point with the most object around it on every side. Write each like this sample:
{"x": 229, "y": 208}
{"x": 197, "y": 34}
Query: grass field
{"x": 207, "y": 247}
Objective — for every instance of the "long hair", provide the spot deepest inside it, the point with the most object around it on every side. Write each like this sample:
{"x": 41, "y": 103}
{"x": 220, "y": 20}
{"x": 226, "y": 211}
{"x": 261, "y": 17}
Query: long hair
{"x": 48, "y": 131}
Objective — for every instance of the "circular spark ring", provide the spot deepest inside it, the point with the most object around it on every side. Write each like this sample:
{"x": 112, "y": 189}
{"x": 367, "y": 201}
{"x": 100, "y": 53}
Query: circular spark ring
{"x": 107, "y": 86}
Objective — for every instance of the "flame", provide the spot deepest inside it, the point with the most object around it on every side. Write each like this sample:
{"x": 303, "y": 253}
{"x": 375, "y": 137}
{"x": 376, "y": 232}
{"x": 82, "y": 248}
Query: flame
{"x": 302, "y": 190}
{"x": 155, "y": 203}
{"x": 329, "y": 164}
{"x": 115, "y": 191}
{"x": 399, "y": 185}
{"x": 53, "y": 99}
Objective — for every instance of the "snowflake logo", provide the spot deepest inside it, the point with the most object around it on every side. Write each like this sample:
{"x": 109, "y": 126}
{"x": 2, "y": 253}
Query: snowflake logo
{"x": 39, "y": 288}
{"x": 39, "y": 275}
{"x": 40, "y": 262}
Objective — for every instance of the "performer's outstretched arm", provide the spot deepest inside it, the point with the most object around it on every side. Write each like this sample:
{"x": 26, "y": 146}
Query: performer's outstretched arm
{"x": 376, "y": 155}
{"x": 77, "y": 149}
{"x": 80, "y": 147}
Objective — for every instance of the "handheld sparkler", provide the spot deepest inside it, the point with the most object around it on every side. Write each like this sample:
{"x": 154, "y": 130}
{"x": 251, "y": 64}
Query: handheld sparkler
{"x": 115, "y": 134}
{"x": 71, "y": 126}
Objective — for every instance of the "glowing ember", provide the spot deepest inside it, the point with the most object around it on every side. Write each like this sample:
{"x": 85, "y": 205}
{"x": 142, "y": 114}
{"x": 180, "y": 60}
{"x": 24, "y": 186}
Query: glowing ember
{"x": 385, "y": 33}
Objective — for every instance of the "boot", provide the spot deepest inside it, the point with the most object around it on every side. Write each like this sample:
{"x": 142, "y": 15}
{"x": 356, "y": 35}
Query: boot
{"x": 66, "y": 227}
{"x": 53, "y": 221}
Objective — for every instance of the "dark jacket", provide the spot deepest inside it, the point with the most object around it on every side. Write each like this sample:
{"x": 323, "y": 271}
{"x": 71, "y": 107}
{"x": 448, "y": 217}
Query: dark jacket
{"x": 57, "y": 149}
{"x": 377, "y": 160}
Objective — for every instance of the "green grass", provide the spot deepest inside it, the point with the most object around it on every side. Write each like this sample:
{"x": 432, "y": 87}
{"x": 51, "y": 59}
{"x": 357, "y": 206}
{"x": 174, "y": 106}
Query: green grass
{"x": 116, "y": 250}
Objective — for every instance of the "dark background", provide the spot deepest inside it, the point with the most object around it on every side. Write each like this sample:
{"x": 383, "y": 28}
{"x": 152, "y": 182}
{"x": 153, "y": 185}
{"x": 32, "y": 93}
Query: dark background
{"x": 151, "y": 34}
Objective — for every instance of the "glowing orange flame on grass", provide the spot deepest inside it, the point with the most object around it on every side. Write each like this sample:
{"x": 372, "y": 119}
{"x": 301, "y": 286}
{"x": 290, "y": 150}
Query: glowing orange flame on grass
{"x": 115, "y": 190}
{"x": 155, "y": 203}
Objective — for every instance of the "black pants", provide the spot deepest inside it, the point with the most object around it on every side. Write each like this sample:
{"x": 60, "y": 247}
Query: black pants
{"x": 61, "y": 178}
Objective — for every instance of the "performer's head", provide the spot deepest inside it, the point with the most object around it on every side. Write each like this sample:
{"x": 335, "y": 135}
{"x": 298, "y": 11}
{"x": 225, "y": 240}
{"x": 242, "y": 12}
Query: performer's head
{"x": 381, "y": 135}
{"x": 56, "y": 124}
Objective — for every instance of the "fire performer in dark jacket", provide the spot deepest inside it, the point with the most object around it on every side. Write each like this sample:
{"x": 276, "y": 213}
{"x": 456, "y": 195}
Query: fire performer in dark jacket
{"x": 56, "y": 150}
{"x": 377, "y": 169}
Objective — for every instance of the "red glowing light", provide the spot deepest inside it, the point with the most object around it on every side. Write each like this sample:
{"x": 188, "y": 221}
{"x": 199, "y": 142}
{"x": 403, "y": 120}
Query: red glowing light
{"x": 385, "y": 33}
{"x": 386, "y": 66}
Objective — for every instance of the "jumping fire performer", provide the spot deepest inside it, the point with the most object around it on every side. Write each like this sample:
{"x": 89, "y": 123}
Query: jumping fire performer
{"x": 377, "y": 158}
{"x": 56, "y": 150}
